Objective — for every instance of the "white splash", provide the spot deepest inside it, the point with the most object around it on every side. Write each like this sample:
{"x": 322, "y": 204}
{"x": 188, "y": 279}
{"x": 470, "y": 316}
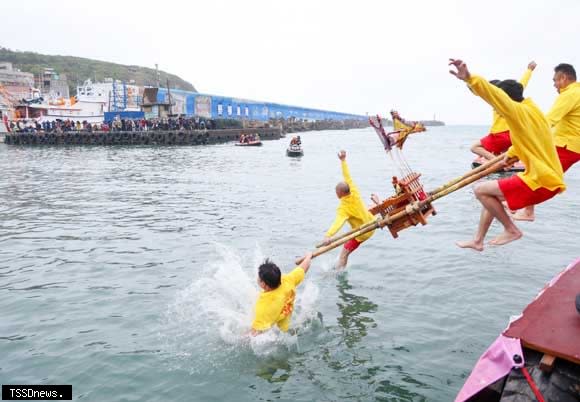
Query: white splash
{"x": 210, "y": 319}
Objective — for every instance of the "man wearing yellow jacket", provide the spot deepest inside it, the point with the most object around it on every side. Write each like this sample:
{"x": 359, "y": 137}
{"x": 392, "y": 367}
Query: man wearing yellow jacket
{"x": 352, "y": 209}
{"x": 565, "y": 118}
{"x": 276, "y": 302}
{"x": 532, "y": 143}
{"x": 498, "y": 140}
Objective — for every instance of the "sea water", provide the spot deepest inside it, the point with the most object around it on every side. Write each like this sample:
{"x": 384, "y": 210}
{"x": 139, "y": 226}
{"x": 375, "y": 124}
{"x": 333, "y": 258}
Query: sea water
{"x": 130, "y": 272}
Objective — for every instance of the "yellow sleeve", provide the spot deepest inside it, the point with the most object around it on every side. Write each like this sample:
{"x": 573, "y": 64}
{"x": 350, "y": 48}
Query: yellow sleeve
{"x": 511, "y": 152}
{"x": 296, "y": 276}
{"x": 346, "y": 173}
{"x": 347, "y": 177}
{"x": 494, "y": 96}
{"x": 265, "y": 316}
{"x": 340, "y": 219}
{"x": 562, "y": 106}
{"x": 526, "y": 78}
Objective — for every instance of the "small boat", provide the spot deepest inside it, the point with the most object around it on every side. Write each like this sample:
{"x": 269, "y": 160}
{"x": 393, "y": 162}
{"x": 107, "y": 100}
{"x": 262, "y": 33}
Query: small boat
{"x": 516, "y": 167}
{"x": 537, "y": 357}
{"x": 294, "y": 151}
{"x": 249, "y": 144}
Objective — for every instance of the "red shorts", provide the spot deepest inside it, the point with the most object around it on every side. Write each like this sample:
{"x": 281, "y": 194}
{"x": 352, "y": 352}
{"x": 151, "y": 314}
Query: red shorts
{"x": 567, "y": 157}
{"x": 352, "y": 245}
{"x": 496, "y": 143}
{"x": 518, "y": 195}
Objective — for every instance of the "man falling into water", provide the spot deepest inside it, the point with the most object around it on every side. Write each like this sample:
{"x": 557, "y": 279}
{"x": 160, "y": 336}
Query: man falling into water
{"x": 352, "y": 209}
{"x": 498, "y": 140}
{"x": 532, "y": 143}
{"x": 276, "y": 303}
{"x": 564, "y": 117}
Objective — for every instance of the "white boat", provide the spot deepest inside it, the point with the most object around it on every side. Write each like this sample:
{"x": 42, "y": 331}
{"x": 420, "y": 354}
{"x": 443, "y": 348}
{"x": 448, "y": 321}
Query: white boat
{"x": 90, "y": 103}
{"x": 294, "y": 150}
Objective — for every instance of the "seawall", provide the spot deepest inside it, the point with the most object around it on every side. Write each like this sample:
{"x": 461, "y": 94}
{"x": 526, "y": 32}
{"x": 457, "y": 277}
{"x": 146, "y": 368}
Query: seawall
{"x": 170, "y": 137}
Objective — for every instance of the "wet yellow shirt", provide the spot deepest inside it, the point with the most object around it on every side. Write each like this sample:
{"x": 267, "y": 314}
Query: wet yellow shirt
{"x": 565, "y": 117}
{"x": 275, "y": 306}
{"x": 499, "y": 124}
{"x": 531, "y": 138}
{"x": 351, "y": 208}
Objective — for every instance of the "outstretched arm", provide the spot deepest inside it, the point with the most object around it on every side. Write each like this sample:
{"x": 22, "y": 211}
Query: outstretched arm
{"x": 337, "y": 224}
{"x": 344, "y": 166}
{"x": 528, "y": 74}
{"x": 493, "y": 95}
{"x": 346, "y": 172}
{"x": 305, "y": 264}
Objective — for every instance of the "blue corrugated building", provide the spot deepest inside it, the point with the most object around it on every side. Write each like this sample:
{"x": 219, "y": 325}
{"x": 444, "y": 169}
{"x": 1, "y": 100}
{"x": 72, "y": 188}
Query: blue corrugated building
{"x": 221, "y": 107}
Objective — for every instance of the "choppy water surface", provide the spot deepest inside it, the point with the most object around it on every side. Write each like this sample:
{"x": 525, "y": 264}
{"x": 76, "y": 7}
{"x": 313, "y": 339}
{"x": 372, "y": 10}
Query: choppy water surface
{"x": 130, "y": 272}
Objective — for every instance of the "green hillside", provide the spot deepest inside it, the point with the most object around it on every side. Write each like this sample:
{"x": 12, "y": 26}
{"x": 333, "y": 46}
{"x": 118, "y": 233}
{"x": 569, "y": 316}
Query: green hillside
{"x": 78, "y": 69}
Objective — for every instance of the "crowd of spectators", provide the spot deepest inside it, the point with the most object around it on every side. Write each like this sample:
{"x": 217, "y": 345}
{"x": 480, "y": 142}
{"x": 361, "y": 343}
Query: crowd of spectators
{"x": 63, "y": 126}
{"x": 171, "y": 124}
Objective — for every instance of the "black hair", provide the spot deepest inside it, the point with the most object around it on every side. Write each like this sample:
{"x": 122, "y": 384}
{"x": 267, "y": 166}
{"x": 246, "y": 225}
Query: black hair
{"x": 514, "y": 89}
{"x": 270, "y": 274}
{"x": 495, "y": 82}
{"x": 567, "y": 70}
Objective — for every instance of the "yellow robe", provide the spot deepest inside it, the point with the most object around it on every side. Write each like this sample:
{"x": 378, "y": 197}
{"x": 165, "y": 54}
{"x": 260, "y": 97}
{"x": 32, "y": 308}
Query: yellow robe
{"x": 565, "y": 117}
{"x": 275, "y": 307}
{"x": 351, "y": 208}
{"x": 531, "y": 138}
{"x": 499, "y": 124}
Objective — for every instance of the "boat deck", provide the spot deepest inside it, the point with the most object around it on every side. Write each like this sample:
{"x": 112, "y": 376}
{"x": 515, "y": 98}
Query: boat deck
{"x": 551, "y": 324}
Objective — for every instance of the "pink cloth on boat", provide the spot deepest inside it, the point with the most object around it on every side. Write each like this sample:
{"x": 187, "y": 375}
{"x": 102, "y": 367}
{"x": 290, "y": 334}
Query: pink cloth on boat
{"x": 495, "y": 363}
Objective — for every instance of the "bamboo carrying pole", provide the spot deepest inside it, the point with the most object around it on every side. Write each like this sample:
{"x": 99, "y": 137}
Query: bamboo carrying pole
{"x": 363, "y": 226}
{"x": 478, "y": 169}
{"x": 492, "y": 166}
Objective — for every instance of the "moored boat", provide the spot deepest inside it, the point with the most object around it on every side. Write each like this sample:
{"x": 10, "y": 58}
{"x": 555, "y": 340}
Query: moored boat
{"x": 537, "y": 358}
{"x": 249, "y": 144}
{"x": 516, "y": 167}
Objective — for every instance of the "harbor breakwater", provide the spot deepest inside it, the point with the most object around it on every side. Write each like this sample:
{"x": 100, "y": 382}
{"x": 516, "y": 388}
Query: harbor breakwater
{"x": 173, "y": 137}
{"x": 165, "y": 137}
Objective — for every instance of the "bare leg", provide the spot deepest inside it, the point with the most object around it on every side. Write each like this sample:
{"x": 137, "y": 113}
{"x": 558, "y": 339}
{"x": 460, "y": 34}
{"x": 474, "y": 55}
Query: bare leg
{"x": 343, "y": 259}
{"x": 490, "y": 196}
{"x": 478, "y": 149}
{"x": 526, "y": 214}
{"x": 485, "y": 220}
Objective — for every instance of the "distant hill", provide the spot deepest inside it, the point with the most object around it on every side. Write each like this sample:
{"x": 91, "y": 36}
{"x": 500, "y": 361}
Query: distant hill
{"x": 78, "y": 69}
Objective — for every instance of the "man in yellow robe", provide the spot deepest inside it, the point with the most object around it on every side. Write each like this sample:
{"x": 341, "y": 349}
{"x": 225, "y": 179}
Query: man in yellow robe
{"x": 351, "y": 208}
{"x": 275, "y": 304}
{"x": 532, "y": 143}
{"x": 498, "y": 140}
{"x": 564, "y": 118}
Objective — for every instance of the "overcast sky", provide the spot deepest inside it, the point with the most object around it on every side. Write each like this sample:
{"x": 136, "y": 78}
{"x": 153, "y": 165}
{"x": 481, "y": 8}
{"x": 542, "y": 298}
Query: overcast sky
{"x": 348, "y": 56}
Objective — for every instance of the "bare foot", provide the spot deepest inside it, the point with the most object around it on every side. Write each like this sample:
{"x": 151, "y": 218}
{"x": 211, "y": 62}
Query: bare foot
{"x": 505, "y": 238}
{"x": 477, "y": 246}
{"x": 522, "y": 215}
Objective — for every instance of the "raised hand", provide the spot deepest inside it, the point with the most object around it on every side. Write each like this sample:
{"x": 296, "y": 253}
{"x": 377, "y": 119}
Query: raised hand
{"x": 342, "y": 155}
{"x": 462, "y": 72}
{"x": 532, "y": 65}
